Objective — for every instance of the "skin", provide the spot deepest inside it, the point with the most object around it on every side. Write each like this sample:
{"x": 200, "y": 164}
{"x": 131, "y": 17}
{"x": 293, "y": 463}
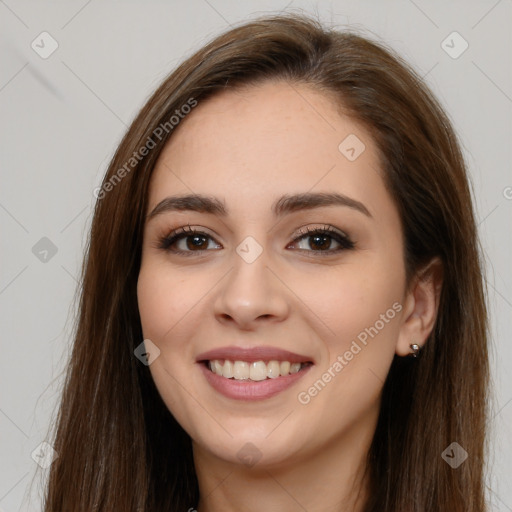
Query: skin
{"x": 248, "y": 147}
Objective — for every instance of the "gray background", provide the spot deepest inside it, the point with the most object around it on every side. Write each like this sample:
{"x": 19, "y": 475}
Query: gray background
{"x": 63, "y": 116}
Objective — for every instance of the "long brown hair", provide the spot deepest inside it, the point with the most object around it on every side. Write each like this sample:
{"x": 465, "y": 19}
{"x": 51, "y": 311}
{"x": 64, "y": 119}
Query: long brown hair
{"x": 119, "y": 446}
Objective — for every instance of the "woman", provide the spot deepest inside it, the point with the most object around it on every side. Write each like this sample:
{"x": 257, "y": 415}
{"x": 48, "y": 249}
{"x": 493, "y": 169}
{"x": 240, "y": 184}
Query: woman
{"x": 282, "y": 304}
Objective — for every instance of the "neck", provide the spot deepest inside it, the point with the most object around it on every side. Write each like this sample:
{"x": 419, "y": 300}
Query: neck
{"x": 327, "y": 479}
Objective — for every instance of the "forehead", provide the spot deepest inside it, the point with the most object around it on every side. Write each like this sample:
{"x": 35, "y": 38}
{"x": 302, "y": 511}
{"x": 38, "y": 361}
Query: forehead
{"x": 267, "y": 140}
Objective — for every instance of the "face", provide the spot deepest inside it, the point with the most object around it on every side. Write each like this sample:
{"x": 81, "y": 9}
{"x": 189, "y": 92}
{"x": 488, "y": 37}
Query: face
{"x": 256, "y": 282}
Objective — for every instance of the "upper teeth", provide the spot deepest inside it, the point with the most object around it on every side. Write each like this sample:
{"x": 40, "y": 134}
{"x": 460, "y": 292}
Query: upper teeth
{"x": 258, "y": 370}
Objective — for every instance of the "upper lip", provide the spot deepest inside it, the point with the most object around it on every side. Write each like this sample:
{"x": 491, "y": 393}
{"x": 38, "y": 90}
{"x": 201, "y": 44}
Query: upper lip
{"x": 261, "y": 353}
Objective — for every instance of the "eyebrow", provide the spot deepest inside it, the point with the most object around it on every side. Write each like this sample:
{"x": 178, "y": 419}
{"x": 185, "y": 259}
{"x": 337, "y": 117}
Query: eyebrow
{"x": 286, "y": 204}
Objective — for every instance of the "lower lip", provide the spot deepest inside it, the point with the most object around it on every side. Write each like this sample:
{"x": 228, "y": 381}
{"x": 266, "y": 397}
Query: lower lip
{"x": 248, "y": 389}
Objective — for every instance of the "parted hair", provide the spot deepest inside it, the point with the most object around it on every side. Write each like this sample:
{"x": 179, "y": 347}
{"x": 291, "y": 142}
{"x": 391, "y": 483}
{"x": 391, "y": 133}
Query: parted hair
{"x": 120, "y": 448}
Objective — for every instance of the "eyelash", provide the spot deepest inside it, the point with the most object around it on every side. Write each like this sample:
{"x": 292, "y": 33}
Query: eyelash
{"x": 345, "y": 242}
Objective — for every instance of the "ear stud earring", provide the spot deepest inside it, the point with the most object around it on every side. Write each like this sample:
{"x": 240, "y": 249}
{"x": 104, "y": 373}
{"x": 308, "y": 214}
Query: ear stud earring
{"x": 415, "y": 349}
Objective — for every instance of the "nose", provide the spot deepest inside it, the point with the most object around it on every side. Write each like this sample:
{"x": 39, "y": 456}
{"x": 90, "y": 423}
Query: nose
{"x": 251, "y": 294}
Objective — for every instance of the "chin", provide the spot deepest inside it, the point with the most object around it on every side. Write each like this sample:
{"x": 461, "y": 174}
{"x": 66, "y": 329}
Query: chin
{"x": 256, "y": 448}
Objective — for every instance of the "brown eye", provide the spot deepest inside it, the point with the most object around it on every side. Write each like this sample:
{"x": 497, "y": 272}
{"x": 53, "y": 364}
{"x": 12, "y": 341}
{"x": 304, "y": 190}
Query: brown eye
{"x": 320, "y": 241}
{"x": 195, "y": 242}
{"x": 186, "y": 240}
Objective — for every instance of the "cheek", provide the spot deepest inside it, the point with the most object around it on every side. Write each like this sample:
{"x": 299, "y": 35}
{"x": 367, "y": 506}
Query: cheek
{"x": 359, "y": 308}
{"x": 162, "y": 301}
{"x": 166, "y": 306}
{"x": 351, "y": 298}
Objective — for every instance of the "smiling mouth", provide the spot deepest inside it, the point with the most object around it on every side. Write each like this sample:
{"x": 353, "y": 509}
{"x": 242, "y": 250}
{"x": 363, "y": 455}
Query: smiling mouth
{"x": 254, "y": 371}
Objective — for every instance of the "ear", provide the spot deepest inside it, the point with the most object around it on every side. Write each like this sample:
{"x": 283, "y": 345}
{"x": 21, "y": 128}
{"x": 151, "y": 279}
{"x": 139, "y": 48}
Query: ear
{"x": 420, "y": 307}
